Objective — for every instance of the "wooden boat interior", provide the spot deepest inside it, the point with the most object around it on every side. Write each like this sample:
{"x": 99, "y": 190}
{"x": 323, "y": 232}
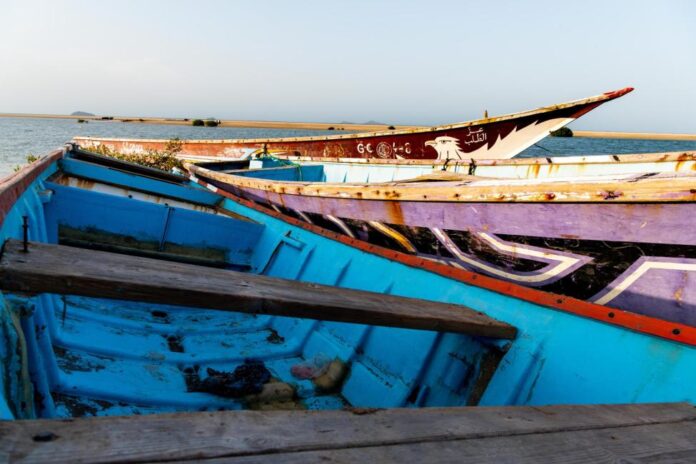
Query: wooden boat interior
{"x": 352, "y": 170}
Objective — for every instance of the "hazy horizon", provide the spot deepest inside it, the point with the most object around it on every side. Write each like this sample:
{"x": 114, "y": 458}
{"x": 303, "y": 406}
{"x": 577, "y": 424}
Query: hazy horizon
{"x": 393, "y": 62}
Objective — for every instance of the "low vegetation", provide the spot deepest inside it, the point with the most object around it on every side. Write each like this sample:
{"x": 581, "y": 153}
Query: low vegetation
{"x": 211, "y": 122}
{"x": 164, "y": 160}
{"x": 30, "y": 159}
{"x": 562, "y": 132}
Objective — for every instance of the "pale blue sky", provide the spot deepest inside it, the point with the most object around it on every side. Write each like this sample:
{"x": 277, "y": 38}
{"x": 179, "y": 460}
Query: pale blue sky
{"x": 397, "y": 62}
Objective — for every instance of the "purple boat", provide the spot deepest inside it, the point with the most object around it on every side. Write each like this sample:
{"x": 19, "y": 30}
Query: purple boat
{"x": 625, "y": 240}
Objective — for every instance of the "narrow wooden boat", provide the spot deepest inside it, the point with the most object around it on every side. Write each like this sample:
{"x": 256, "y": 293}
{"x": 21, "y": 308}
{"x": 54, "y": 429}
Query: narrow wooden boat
{"x": 623, "y": 240}
{"x": 489, "y": 138}
{"x": 129, "y": 291}
{"x": 371, "y": 170}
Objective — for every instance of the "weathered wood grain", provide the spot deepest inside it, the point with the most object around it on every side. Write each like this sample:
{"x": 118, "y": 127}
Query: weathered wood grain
{"x": 663, "y": 187}
{"x": 476, "y": 434}
{"x": 659, "y": 443}
{"x": 66, "y": 270}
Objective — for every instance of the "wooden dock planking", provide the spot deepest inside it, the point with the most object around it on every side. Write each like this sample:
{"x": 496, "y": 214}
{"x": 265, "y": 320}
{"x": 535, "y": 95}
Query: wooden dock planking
{"x": 66, "y": 270}
{"x": 589, "y": 433}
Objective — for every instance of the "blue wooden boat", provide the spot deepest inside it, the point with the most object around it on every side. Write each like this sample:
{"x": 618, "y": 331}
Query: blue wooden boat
{"x": 622, "y": 239}
{"x": 141, "y": 292}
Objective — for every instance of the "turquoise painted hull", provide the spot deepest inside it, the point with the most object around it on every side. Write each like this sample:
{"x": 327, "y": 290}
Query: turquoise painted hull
{"x": 67, "y": 356}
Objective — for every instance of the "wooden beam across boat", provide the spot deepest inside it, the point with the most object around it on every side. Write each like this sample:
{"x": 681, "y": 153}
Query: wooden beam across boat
{"x": 521, "y": 434}
{"x": 66, "y": 270}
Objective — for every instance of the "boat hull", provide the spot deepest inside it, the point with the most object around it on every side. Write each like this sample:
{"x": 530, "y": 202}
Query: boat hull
{"x": 490, "y": 138}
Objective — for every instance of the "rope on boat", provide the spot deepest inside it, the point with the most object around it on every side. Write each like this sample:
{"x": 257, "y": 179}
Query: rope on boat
{"x": 539, "y": 146}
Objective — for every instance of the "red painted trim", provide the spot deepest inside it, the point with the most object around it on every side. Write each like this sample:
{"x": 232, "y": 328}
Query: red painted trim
{"x": 13, "y": 186}
{"x": 644, "y": 324}
{"x": 618, "y": 93}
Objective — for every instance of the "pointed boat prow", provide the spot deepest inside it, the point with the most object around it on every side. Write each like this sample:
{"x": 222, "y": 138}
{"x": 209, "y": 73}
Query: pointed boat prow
{"x": 496, "y": 137}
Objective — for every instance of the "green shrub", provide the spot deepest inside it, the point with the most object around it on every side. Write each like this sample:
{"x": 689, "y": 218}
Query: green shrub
{"x": 197, "y": 122}
{"x": 30, "y": 159}
{"x": 562, "y": 132}
{"x": 211, "y": 123}
{"x": 164, "y": 160}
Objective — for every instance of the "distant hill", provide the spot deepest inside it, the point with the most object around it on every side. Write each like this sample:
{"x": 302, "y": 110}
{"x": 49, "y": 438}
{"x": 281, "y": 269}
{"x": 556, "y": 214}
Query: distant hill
{"x": 81, "y": 113}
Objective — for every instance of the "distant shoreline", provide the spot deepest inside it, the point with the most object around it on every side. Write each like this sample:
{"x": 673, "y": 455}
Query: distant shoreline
{"x": 332, "y": 126}
{"x": 223, "y": 122}
{"x": 633, "y": 135}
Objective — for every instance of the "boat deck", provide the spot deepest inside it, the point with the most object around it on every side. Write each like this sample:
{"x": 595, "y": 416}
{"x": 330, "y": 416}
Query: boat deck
{"x": 596, "y": 433}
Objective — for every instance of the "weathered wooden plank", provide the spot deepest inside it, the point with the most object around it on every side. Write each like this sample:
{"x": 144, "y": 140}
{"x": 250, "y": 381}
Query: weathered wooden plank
{"x": 441, "y": 176}
{"x": 437, "y": 433}
{"x": 662, "y": 187}
{"x": 66, "y": 270}
{"x": 659, "y": 443}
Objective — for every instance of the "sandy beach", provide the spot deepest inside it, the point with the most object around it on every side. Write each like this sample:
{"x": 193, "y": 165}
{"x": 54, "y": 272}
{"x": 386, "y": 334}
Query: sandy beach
{"x": 223, "y": 122}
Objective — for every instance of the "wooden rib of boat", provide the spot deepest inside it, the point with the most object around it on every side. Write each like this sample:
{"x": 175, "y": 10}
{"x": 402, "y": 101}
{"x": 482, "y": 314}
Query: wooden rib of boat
{"x": 127, "y": 291}
{"x": 490, "y": 138}
{"x": 622, "y": 240}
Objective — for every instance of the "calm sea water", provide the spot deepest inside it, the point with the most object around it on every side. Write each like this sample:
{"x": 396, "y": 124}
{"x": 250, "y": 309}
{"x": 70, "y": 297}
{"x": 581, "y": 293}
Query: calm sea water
{"x": 20, "y": 137}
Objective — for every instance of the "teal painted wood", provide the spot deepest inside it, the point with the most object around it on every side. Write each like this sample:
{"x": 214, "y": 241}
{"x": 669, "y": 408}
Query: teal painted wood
{"x": 556, "y": 358}
{"x": 98, "y": 357}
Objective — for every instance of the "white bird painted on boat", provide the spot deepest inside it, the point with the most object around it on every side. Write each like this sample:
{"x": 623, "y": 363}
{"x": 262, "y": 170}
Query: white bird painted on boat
{"x": 446, "y": 147}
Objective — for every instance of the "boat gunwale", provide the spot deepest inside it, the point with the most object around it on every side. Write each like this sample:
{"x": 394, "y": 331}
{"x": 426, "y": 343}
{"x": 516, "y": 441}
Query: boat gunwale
{"x": 593, "y": 160}
{"x": 56, "y": 179}
{"x": 601, "y": 98}
{"x": 591, "y": 189}
{"x": 14, "y": 185}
